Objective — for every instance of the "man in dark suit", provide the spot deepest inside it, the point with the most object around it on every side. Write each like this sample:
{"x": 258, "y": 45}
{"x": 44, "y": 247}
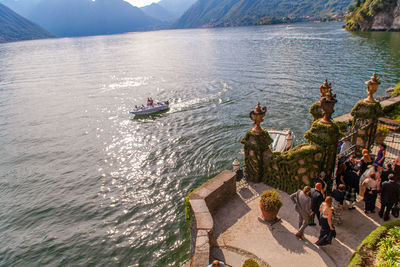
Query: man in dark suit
{"x": 386, "y": 171}
{"x": 317, "y": 198}
{"x": 389, "y": 197}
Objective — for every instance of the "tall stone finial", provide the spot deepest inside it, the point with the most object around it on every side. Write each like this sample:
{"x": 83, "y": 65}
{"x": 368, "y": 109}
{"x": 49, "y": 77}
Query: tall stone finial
{"x": 328, "y": 102}
{"x": 257, "y": 116}
{"x": 372, "y": 86}
{"x": 325, "y": 88}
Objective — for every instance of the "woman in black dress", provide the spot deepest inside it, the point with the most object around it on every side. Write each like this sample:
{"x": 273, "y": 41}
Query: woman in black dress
{"x": 327, "y": 229}
{"x": 364, "y": 162}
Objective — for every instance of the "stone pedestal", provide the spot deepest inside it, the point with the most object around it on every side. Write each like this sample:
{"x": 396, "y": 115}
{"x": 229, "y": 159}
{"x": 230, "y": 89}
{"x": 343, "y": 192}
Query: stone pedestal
{"x": 363, "y": 114}
{"x": 256, "y": 153}
{"x": 326, "y": 136}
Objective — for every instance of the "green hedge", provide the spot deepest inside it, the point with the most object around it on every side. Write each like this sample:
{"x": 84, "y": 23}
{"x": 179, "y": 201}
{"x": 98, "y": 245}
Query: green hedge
{"x": 361, "y": 255}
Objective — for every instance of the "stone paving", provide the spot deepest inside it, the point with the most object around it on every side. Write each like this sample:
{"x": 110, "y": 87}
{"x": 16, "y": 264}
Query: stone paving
{"x": 242, "y": 234}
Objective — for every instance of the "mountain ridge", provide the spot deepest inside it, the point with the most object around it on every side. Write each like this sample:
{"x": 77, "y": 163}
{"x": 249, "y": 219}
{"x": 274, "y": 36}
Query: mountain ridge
{"x": 14, "y": 27}
{"x": 67, "y": 18}
{"x": 217, "y": 13}
{"x": 176, "y": 7}
{"x": 156, "y": 11}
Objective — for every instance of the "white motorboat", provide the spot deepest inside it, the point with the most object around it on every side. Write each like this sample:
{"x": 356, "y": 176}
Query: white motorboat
{"x": 283, "y": 140}
{"x": 150, "y": 109}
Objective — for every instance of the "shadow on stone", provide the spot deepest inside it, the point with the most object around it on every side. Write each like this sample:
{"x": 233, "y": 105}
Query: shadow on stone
{"x": 270, "y": 223}
{"x": 217, "y": 254}
{"x": 233, "y": 210}
{"x": 288, "y": 240}
{"x": 245, "y": 193}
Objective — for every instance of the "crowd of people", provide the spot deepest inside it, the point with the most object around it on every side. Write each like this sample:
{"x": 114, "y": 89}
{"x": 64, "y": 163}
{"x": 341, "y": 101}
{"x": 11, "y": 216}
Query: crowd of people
{"x": 370, "y": 179}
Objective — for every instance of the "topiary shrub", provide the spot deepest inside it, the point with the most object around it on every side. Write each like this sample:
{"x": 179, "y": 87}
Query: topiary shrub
{"x": 250, "y": 263}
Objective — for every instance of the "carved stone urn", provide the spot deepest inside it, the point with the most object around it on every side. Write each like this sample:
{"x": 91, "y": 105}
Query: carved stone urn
{"x": 325, "y": 88}
{"x": 372, "y": 86}
{"x": 257, "y": 116}
{"x": 328, "y": 101}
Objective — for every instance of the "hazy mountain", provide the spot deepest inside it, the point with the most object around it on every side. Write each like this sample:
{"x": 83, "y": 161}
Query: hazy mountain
{"x": 84, "y": 17}
{"x": 13, "y": 27}
{"x": 22, "y": 7}
{"x": 212, "y": 13}
{"x": 158, "y": 12}
{"x": 176, "y": 7}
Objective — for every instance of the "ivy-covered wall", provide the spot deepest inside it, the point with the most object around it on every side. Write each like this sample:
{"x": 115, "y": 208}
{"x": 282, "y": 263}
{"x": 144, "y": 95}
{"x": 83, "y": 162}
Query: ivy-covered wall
{"x": 256, "y": 153}
{"x": 291, "y": 170}
{"x": 298, "y": 167}
{"x": 366, "y": 111}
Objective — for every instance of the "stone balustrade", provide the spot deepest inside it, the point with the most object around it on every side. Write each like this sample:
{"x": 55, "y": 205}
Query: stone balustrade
{"x": 204, "y": 201}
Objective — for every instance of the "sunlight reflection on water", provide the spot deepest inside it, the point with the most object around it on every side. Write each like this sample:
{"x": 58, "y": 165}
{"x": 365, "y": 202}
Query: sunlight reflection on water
{"x": 90, "y": 185}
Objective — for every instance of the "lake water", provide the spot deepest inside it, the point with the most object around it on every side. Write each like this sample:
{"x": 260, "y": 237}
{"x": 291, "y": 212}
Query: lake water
{"x": 82, "y": 183}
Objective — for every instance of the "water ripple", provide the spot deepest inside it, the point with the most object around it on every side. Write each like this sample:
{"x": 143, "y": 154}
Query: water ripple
{"x": 84, "y": 183}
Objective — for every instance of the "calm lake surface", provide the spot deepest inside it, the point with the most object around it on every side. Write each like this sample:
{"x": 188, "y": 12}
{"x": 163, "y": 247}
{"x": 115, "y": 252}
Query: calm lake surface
{"x": 82, "y": 183}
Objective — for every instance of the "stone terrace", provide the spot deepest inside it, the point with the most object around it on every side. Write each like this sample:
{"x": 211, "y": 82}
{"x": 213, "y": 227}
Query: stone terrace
{"x": 242, "y": 234}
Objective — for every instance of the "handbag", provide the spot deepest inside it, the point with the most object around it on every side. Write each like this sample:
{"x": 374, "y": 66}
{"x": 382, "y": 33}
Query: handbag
{"x": 396, "y": 210}
{"x": 311, "y": 220}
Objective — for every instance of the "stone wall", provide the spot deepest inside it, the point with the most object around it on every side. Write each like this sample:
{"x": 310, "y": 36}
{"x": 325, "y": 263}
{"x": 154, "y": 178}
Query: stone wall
{"x": 298, "y": 167}
{"x": 291, "y": 170}
{"x": 204, "y": 201}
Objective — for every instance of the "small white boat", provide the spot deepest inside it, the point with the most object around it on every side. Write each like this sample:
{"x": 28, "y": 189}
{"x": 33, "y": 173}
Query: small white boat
{"x": 150, "y": 109}
{"x": 283, "y": 140}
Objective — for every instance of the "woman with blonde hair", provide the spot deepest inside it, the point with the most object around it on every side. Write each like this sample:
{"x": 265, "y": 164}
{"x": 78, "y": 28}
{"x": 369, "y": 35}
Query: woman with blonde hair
{"x": 327, "y": 229}
{"x": 371, "y": 192}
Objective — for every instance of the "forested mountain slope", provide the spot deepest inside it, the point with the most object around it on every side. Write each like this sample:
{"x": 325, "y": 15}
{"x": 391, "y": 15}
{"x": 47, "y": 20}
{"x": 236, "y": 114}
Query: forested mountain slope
{"x": 214, "y": 13}
{"x": 14, "y": 27}
{"x": 65, "y": 18}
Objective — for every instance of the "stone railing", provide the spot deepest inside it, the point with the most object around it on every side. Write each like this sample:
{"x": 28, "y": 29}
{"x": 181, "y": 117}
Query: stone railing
{"x": 204, "y": 201}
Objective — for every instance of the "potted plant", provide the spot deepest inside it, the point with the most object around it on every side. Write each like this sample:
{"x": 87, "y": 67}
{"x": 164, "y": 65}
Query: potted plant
{"x": 381, "y": 133}
{"x": 250, "y": 263}
{"x": 270, "y": 203}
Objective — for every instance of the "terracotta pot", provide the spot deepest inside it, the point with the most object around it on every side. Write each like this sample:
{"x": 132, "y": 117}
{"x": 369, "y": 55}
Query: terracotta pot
{"x": 270, "y": 214}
